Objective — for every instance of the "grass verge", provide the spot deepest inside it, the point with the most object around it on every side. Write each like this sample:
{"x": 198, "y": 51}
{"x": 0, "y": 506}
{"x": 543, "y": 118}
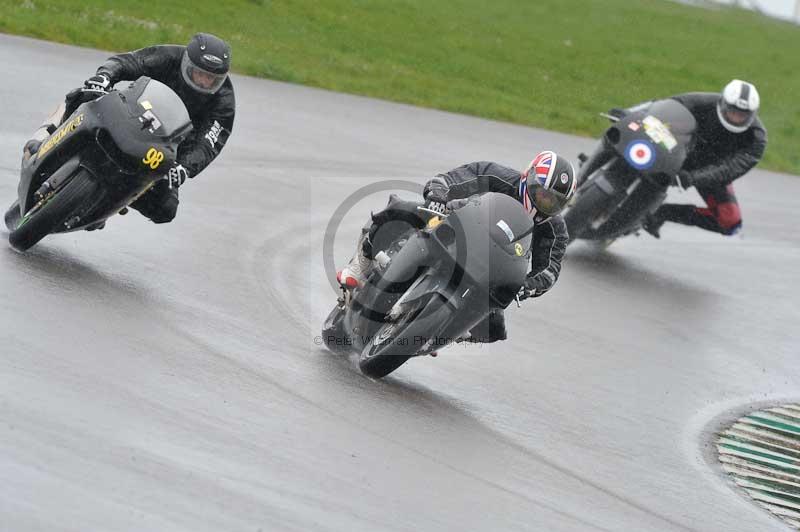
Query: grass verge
{"x": 547, "y": 63}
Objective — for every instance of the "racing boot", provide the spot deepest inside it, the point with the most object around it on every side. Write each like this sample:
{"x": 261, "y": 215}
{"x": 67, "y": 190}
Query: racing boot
{"x": 356, "y": 271}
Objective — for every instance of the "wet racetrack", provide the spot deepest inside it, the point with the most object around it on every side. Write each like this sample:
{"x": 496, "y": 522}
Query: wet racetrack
{"x": 167, "y": 377}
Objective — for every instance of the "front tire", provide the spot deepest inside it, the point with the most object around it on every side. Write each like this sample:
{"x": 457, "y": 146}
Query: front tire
{"x": 56, "y": 210}
{"x": 12, "y": 216}
{"x": 588, "y": 205}
{"x": 397, "y": 341}
{"x": 378, "y": 366}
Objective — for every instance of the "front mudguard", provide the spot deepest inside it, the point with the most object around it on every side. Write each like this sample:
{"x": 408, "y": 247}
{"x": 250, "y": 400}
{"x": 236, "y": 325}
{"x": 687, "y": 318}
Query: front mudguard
{"x": 419, "y": 336}
{"x": 594, "y": 200}
{"x": 454, "y": 314}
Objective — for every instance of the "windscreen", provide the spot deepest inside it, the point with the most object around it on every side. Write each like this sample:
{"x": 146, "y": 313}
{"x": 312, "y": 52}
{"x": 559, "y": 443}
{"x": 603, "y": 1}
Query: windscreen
{"x": 679, "y": 120}
{"x": 161, "y": 104}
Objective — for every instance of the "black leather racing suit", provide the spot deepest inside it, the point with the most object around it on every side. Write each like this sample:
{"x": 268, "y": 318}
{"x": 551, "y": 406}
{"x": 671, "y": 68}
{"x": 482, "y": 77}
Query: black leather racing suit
{"x": 717, "y": 159}
{"x": 550, "y": 238}
{"x": 719, "y": 156}
{"x": 211, "y": 114}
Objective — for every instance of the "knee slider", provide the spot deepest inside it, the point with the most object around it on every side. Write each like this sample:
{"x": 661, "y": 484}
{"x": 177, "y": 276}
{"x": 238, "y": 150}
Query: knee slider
{"x": 166, "y": 212}
{"x": 729, "y": 216}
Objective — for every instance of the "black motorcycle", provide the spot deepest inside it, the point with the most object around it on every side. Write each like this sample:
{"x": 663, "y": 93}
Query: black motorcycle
{"x": 440, "y": 276}
{"x": 106, "y": 154}
{"x": 627, "y": 177}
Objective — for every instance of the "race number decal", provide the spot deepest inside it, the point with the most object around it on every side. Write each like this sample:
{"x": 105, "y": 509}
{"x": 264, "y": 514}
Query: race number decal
{"x": 153, "y": 158}
{"x": 659, "y": 132}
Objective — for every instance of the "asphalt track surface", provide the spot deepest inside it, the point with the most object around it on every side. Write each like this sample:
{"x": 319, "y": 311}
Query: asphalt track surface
{"x": 167, "y": 377}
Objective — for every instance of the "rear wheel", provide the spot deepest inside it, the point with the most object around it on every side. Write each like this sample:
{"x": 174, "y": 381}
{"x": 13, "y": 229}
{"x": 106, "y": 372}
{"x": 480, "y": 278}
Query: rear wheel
{"x": 52, "y": 213}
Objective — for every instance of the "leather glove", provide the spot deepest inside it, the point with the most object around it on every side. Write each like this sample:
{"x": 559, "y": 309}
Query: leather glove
{"x": 533, "y": 287}
{"x": 435, "y": 195}
{"x": 436, "y": 199}
{"x": 524, "y": 294}
{"x": 97, "y": 83}
{"x": 176, "y": 175}
{"x": 665, "y": 180}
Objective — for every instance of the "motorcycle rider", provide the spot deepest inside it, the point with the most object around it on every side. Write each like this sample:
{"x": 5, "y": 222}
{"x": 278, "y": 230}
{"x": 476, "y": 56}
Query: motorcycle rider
{"x": 543, "y": 188}
{"x": 730, "y": 140}
{"x": 198, "y": 73}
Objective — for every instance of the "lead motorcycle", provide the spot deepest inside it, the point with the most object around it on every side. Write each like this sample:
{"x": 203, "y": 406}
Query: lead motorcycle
{"x": 106, "y": 154}
{"x": 628, "y": 175}
{"x": 440, "y": 276}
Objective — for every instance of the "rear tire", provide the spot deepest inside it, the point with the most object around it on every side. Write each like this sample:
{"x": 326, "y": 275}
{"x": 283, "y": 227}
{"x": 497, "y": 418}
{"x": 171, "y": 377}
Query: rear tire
{"x": 53, "y": 213}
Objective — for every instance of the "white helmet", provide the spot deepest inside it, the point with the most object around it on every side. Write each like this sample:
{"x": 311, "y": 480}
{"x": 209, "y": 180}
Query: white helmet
{"x": 738, "y": 105}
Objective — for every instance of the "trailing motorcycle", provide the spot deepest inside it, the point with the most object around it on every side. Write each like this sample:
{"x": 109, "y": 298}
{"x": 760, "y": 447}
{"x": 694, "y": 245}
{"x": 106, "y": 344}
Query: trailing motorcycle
{"x": 627, "y": 177}
{"x": 106, "y": 154}
{"x": 437, "y": 277}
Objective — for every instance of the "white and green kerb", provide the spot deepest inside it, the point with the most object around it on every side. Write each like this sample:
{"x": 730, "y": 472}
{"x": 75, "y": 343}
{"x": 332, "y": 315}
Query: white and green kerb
{"x": 761, "y": 453}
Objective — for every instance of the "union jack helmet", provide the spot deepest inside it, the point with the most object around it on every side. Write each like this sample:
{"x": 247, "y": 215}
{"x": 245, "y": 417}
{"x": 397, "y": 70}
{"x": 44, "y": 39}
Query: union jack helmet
{"x": 547, "y": 185}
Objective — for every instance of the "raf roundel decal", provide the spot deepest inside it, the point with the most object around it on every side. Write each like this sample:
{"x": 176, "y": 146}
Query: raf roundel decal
{"x": 640, "y": 154}
{"x": 564, "y": 178}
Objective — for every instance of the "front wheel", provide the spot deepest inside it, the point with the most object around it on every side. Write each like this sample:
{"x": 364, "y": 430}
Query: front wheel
{"x": 397, "y": 341}
{"x": 590, "y": 204}
{"x": 12, "y": 216}
{"x": 376, "y": 362}
{"x": 52, "y": 213}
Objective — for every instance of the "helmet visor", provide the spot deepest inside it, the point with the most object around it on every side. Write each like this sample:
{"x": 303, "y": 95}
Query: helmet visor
{"x": 735, "y": 116}
{"x": 547, "y": 201}
{"x": 200, "y": 79}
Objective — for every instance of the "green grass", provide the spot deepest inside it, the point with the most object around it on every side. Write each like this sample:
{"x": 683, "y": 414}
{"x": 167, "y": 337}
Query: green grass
{"x": 547, "y": 63}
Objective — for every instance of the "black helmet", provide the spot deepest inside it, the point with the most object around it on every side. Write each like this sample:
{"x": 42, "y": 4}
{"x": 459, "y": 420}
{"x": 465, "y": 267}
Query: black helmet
{"x": 738, "y": 106}
{"x": 547, "y": 185}
{"x": 205, "y": 63}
